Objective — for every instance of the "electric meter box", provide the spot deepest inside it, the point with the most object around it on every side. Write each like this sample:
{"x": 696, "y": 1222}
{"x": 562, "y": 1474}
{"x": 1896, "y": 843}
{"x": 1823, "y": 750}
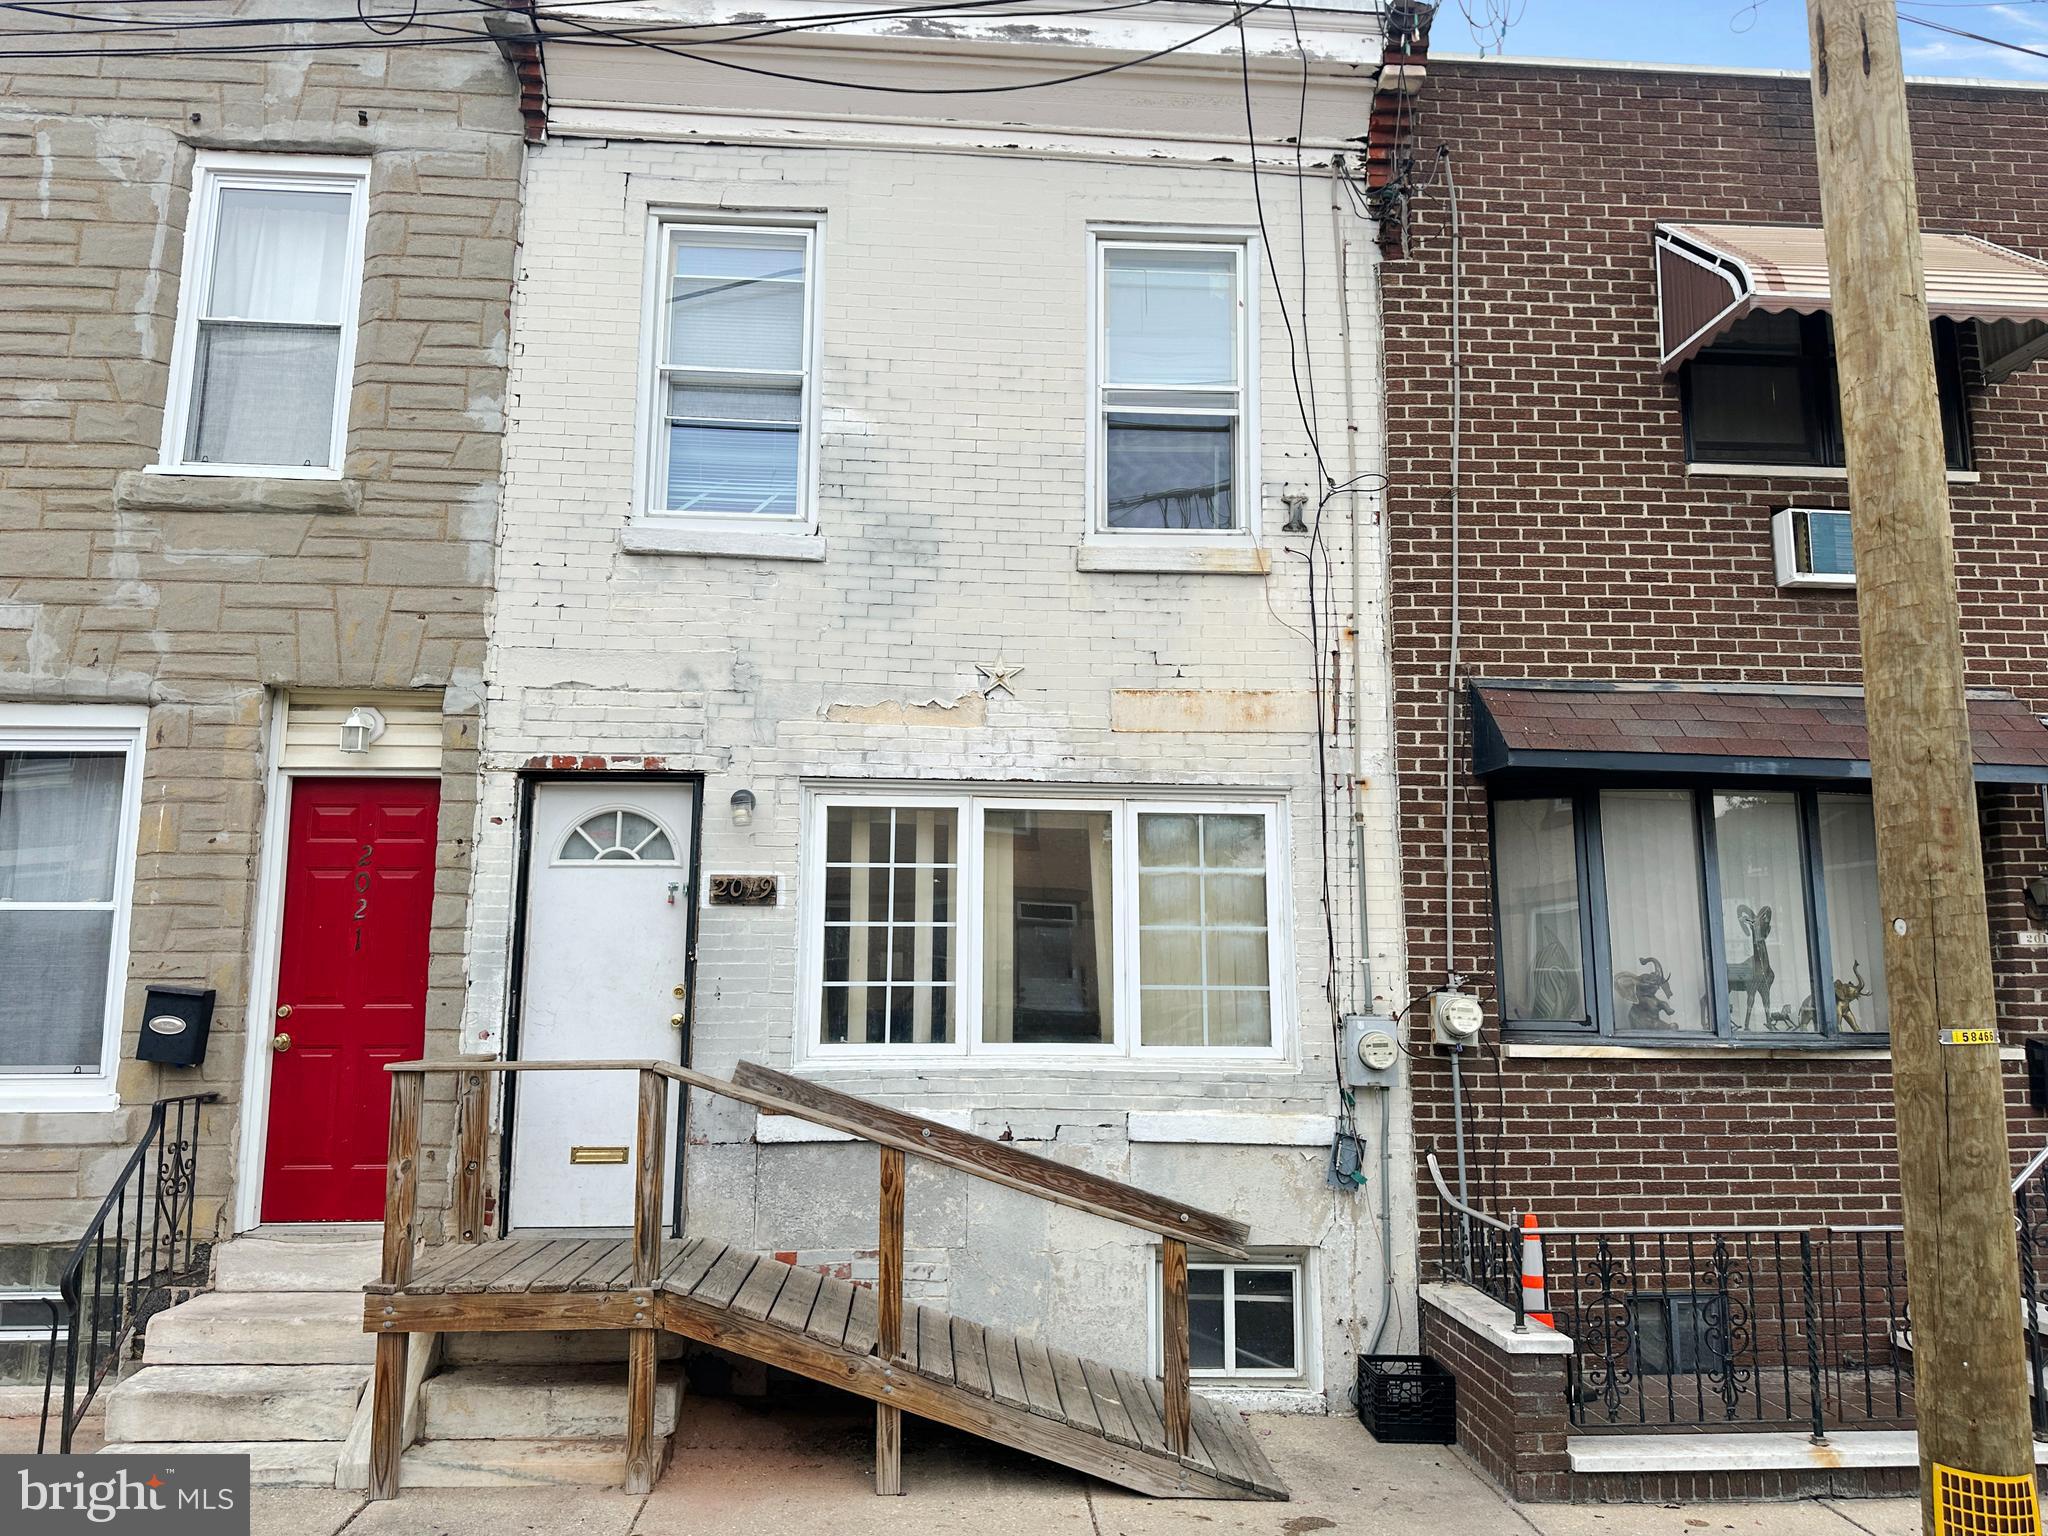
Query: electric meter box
{"x": 1372, "y": 1051}
{"x": 1456, "y": 1018}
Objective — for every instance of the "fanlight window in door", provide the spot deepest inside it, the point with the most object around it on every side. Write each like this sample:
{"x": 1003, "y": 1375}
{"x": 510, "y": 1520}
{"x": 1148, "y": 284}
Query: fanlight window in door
{"x": 617, "y": 836}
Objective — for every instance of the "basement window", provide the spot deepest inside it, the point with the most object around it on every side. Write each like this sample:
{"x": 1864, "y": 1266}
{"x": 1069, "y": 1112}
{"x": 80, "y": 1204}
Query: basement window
{"x": 1044, "y": 925}
{"x": 1648, "y": 913}
{"x": 1246, "y": 1321}
{"x": 1765, "y": 393}
{"x": 265, "y": 344}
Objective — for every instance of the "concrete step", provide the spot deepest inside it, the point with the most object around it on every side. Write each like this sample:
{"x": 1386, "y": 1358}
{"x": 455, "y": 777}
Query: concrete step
{"x": 161, "y": 1403}
{"x": 346, "y": 1260}
{"x": 513, "y": 1463}
{"x": 540, "y": 1402}
{"x": 262, "y": 1328}
{"x": 590, "y": 1344}
{"x": 272, "y": 1463}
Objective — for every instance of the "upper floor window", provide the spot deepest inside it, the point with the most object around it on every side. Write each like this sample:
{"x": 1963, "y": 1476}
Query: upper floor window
{"x": 990, "y": 924}
{"x": 732, "y": 374}
{"x": 267, "y": 316}
{"x": 1735, "y": 912}
{"x": 1171, "y": 423}
{"x": 69, "y": 805}
{"x": 1765, "y": 393}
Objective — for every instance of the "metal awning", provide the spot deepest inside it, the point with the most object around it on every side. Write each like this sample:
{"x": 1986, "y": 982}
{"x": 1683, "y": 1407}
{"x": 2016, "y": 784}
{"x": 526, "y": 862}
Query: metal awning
{"x": 1579, "y": 727}
{"x": 1710, "y": 275}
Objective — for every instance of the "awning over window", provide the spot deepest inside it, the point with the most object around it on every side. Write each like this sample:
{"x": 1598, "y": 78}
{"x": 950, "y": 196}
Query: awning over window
{"x": 1710, "y": 275}
{"x": 1587, "y": 727}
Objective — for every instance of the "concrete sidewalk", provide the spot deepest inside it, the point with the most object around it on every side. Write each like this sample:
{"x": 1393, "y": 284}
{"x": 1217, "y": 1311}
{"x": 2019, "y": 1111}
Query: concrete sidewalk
{"x": 746, "y": 1471}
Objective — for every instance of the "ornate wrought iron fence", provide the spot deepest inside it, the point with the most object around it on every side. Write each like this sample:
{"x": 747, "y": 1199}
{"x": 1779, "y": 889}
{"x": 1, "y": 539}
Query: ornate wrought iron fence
{"x": 1736, "y": 1327}
{"x": 137, "y": 1248}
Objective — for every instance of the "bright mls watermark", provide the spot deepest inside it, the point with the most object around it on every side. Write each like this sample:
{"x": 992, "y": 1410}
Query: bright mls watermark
{"x": 124, "y": 1495}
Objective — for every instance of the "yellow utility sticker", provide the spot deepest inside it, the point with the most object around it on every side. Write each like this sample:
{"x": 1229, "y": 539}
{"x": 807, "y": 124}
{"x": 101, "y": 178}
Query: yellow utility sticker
{"x": 1969, "y": 1037}
{"x": 1973, "y": 1504}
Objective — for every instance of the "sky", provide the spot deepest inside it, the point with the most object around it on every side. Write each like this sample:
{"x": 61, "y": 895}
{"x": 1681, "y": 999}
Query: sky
{"x": 1762, "y": 34}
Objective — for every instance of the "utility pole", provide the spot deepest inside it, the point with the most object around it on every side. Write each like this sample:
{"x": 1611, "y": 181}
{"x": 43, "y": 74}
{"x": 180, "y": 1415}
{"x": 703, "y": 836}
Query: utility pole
{"x": 1962, "y": 1271}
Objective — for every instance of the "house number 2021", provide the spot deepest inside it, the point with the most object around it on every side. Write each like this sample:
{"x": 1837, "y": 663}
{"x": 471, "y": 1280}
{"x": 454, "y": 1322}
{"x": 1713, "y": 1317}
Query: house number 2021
{"x": 362, "y": 891}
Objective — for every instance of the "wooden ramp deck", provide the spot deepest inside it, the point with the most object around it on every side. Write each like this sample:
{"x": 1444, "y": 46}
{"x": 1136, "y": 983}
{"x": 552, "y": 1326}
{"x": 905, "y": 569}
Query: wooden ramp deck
{"x": 1078, "y": 1413}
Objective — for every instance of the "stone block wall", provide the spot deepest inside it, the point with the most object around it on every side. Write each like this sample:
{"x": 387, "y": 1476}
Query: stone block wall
{"x": 205, "y": 602}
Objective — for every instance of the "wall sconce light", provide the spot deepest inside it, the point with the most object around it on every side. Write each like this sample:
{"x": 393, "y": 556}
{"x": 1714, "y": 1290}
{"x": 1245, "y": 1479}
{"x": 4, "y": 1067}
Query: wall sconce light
{"x": 363, "y": 726}
{"x": 2035, "y": 892}
{"x": 742, "y": 807}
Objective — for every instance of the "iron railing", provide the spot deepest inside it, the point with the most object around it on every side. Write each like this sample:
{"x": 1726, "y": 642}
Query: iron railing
{"x": 136, "y": 1249}
{"x": 1736, "y": 1326}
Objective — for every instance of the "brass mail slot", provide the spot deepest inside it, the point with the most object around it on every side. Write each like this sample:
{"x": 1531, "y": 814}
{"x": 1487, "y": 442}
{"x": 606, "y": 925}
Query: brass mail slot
{"x": 597, "y": 1154}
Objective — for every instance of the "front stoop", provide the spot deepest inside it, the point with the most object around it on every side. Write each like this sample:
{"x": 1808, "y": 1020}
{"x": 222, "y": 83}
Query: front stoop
{"x": 500, "y": 1424}
{"x": 270, "y": 1364}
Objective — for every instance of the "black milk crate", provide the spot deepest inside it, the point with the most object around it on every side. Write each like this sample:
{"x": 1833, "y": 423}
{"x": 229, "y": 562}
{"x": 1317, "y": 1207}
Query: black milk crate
{"x": 1407, "y": 1400}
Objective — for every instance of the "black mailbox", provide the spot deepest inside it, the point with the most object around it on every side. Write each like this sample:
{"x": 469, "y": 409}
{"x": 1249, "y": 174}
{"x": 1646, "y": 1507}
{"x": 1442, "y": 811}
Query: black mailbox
{"x": 175, "y": 1023}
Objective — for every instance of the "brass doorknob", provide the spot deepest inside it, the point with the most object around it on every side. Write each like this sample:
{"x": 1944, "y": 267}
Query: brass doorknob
{"x": 675, "y": 1021}
{"x": 280, "y": 1043}
{"x": 284, "y": 1010}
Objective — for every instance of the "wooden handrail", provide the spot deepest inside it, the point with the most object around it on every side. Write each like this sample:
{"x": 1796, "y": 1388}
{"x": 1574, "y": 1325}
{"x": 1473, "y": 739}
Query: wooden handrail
{"x": 777, "y": 1093}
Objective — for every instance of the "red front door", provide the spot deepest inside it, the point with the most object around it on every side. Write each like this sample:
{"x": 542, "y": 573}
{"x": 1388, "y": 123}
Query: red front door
{"x": 351, "y": 989}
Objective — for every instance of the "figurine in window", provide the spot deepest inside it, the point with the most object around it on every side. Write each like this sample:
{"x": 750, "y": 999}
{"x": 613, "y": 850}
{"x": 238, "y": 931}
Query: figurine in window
{"x": 1846, "y": 996}
{"x": 1646, "y": 994}
{"x": 1753, "y": 977}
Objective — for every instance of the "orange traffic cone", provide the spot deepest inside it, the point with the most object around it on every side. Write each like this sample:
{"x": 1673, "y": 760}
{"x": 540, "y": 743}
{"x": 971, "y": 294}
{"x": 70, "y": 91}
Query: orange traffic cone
{"x": 1535, "y": 1303}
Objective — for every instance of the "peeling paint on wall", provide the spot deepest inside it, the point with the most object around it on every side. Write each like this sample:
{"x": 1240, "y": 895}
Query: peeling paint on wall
{"x": 970, "y": 709}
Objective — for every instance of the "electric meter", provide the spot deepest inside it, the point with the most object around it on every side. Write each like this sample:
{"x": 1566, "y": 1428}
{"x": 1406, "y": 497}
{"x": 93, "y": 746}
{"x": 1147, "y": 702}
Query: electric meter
{"x": 1456, "y": 1018}
{"x": 1372, "y": 1052}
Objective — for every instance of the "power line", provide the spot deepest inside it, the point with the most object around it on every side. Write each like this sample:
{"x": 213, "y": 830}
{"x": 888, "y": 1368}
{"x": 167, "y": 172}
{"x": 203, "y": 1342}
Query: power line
{"x": 1975, "y": 37}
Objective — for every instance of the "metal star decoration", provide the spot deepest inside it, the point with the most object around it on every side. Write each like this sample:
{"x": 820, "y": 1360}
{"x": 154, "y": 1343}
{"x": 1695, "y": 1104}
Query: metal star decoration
{"x": 996, "y": 675}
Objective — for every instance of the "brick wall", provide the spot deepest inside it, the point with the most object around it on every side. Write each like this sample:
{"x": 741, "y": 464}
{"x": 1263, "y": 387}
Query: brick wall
{"x": 204, "y": 614}
{"x": 1589, "y": 552}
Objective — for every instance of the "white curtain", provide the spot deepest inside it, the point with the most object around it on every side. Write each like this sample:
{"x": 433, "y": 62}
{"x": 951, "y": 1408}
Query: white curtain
{"x": 1650, "y": 847}
{"x": 60, "y": 828}
{"x": 1102, "y": 846}
{"x": 280, "y": 256}
{"x": 998, "y": 929}
{"x": 264, "y": 395}
{"x": 1763, "y": 912}
{"x": 1170, "y": 317}
{"x": 1848, "y": 857}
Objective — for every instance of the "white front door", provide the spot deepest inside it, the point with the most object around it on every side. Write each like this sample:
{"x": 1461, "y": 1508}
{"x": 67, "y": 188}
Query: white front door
{"x": 607, "y": 936}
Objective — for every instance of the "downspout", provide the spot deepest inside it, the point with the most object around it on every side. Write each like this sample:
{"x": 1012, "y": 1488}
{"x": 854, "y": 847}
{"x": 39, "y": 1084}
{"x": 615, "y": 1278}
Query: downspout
{"x": 1451, "y": 651}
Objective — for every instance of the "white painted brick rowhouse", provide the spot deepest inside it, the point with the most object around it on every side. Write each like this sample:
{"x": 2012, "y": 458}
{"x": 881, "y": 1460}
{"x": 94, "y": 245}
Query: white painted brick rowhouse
{"x": 951, "y": 277}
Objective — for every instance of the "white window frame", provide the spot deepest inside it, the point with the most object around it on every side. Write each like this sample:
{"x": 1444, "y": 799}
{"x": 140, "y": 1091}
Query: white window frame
{"x": 651, "y": 447}
{"x": 85, "y": 728}
{"x": 213, "y": 172}
{"x": 1246, "y": 499}
{"x": 971, "y": 807}
{"x": 1295, "y": 1265}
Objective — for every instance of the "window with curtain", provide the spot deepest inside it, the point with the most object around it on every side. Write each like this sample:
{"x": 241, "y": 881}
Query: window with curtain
{"x": 269, "y": 308}
{"x": 733, "y": 370}
{"x": 62, "y": 841}
{"x": 1171, "y": 387}
{"x": 1734, "y": 912}
{"x": 1059, "y": 923}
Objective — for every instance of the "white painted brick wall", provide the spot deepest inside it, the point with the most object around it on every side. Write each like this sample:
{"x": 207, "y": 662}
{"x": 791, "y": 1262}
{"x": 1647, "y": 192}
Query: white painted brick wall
{"x": 953, "y": 372}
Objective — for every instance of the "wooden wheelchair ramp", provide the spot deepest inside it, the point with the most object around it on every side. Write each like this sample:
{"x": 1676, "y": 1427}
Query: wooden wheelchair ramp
{"x": 1080, "y": 1414}
{"x": 1148, "y": 1434}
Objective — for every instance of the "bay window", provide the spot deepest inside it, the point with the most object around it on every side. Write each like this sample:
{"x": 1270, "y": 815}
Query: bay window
{"x": 993, "y": 925}
{"x": 67, "y": 827}
{"x": 265, "y": 345}
{"x": 1739, "y": 912}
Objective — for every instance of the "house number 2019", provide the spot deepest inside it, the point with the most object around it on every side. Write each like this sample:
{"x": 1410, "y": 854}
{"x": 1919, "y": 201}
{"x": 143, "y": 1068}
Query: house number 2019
{"x": 362, "y": 891}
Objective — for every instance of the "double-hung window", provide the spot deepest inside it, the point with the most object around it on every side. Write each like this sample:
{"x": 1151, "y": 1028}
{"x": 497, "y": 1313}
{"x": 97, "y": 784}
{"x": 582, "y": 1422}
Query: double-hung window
{"x": 1025, "y": 925}
{"x": 732, "y": 395}
{"x": 1731, "y": 911}
{"x": 1172, "y": 420}
{"x": 68, "y": 813}
{"x": 267, "y": 316}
